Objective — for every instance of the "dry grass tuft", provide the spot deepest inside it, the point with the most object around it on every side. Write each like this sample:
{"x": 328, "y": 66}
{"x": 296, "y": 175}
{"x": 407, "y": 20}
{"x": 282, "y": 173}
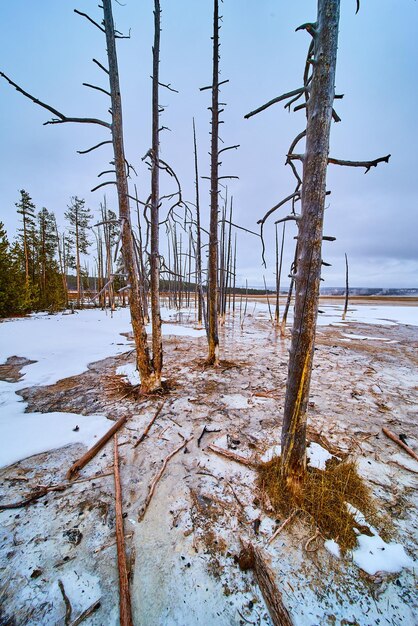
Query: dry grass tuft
{"x": 118, "y": 387}
{"x": 324, "y": 498}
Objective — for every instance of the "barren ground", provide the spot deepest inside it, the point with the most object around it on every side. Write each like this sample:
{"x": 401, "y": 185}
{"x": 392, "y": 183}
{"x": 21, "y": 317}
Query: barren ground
{"x": 182, "y": 555}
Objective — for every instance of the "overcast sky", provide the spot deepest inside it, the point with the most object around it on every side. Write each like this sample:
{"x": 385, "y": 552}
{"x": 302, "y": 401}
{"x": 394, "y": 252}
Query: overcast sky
{"x": 47, "y": 49}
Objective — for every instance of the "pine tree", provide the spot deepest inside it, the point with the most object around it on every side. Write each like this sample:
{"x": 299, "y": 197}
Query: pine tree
{"x": 79, "y": 218}
{"x": 51, "y": 292}
{"x": 27, "y": 243}
{"x": 10, "y": 283}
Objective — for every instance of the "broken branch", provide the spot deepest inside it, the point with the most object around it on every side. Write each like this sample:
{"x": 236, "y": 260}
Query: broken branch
{"x": 90, "y": 454}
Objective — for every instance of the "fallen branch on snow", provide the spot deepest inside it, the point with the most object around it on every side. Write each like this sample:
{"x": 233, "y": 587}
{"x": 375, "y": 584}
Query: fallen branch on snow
{"x": 125, "y": 614}
{"x": 90, "y": 454}
{"x": 146, "y": 431}
{"x": 231, "y": 456}
{"x": 252, "y": 558}
{"x": 152, "y": 486}
{"x": 403, "y": 445}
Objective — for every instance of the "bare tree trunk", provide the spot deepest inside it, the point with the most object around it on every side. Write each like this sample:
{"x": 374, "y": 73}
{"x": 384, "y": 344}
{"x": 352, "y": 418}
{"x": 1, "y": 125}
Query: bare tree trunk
{"x": 61, "y": 263}
{"x": 346, "y": 287}
{"x": 77, "y": 262}
{"x": 213, "y": 340}
{"x": 308, "y": 273}
{"x": 279, "y": 272}
{"x": 148, "y": 380}
{"x": 157, "y": 346}
{"x": 198, "y": 234}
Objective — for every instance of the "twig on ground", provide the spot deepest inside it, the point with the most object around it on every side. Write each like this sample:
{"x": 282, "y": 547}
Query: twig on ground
{"x": 281, "y": 527}
{"x": 231, "y": 455}
{"x": 403, "y": 445}
{"x": 148, "y": 428}
{"x": 152, "y": 486}
{"x": 68, "y": 607}
{"x": 86, "y": 613}
{"x": 206, "y": 430}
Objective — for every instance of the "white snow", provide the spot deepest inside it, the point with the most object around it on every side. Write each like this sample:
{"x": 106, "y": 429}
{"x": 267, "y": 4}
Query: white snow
{"x": 62, "y": 345}
{"x": 271, "y": 453}
{"x": 317, "y": 455}
{"x": 373, "y": 554}
{"x": 367, "y": 338}
{"x": 129, "y": 373}
{"x": 332, "y": 547}
{"x": 387, "y": 315}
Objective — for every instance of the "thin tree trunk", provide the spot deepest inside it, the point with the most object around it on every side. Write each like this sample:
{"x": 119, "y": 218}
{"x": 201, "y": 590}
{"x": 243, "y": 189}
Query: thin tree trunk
{"x": 77, "y": 262}
{"x": 346, "y": 287}
{"x": 148, "y": 381}
{"x": 198, "y": 235}
{"x": 61, "y": 262}
{"x": 279, "y": 272}
{"x": 213, "y": 354}
{"x": 308, "y": 274}
{"x": 157, "y": 346}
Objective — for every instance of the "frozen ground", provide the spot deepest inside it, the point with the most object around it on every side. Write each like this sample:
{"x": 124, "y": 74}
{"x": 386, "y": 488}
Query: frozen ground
{"x": 60, "y": 346}
{"x": 182, "y": 555}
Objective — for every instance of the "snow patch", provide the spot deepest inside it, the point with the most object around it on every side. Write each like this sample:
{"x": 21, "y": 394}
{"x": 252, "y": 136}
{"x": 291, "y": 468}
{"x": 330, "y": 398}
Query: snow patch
{"x": 130, "y": 374}
{"x": 332, "y": 547}
{"x": 271, "y": 453}
{"x": 317, "y": 455}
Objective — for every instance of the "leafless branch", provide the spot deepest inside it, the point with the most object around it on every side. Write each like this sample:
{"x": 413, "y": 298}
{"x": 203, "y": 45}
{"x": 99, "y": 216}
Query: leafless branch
{"x": 61, "y": 117}
{"x": 97, "y": 88}
{"x": 218, "y": 85}
{"x": 268, "y": 104}
{"x": 366, "y": 164}
{"x": 109, "y": 182}
{"x": 102, "y": 67}
{"x": 102, "y": 143}
{"x": 89, "y": 19}
{"x": 295, "y": 194}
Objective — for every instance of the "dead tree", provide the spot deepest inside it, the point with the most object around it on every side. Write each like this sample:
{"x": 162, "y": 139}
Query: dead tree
{"x": 213, "y": 339}
{"x": 150, "y": 380}
{"x": 318, "y": 90}
{"x": 198, "y": 234}
{"x": 346, "y": 288}
{"x": 157, "y": 344}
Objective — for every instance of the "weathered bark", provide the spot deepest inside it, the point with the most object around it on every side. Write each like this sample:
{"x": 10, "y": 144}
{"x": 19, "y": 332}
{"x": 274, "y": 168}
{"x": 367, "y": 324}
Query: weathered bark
{"x": 213, "y": 340}
{"x": 308, "y": 271}
{"x": 125, "y": 614}
{"x": 149, "y": 381}
{"x": 157, "y": 345}
{"x": 251, "y": 557}
{"x": 198, "y": 234}
{"x": 346, "y": 287}
{"x": 91, "y": 453}
{"x": 279, "y": 273}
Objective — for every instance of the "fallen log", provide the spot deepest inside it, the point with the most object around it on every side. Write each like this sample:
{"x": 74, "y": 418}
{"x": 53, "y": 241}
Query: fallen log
{"x": 400, "y": 443}
{"x": 231, "y": 455}
{"x": 146, "y": 431}
{"x": 252, "y": 558}
{"x": 90, "y": 454}
{"x": 43, "y": 490}
{"x": 125, "y": 614}
{"x": 152, "y": 486}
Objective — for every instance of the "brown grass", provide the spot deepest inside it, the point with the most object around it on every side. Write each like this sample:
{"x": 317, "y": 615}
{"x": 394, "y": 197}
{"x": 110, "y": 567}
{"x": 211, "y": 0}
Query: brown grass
{"x": 122, "y": 389}
{"x": 324, "y": 498}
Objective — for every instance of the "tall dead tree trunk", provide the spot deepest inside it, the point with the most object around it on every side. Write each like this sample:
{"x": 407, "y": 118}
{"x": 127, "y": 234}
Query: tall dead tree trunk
{"x": 149, "y": 381}
{"x": 198, "y": 277}
{"x": 157, "y": 346}
{"x": 308, "y": 272}
{"x": 213, "y": 340}
{"x": 346, "y": 287}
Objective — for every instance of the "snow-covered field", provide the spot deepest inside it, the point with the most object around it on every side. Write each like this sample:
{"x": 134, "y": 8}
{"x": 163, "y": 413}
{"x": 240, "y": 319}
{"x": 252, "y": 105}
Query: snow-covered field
{"x": 181, "y": 575}
{"x": 61, "y": 345}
